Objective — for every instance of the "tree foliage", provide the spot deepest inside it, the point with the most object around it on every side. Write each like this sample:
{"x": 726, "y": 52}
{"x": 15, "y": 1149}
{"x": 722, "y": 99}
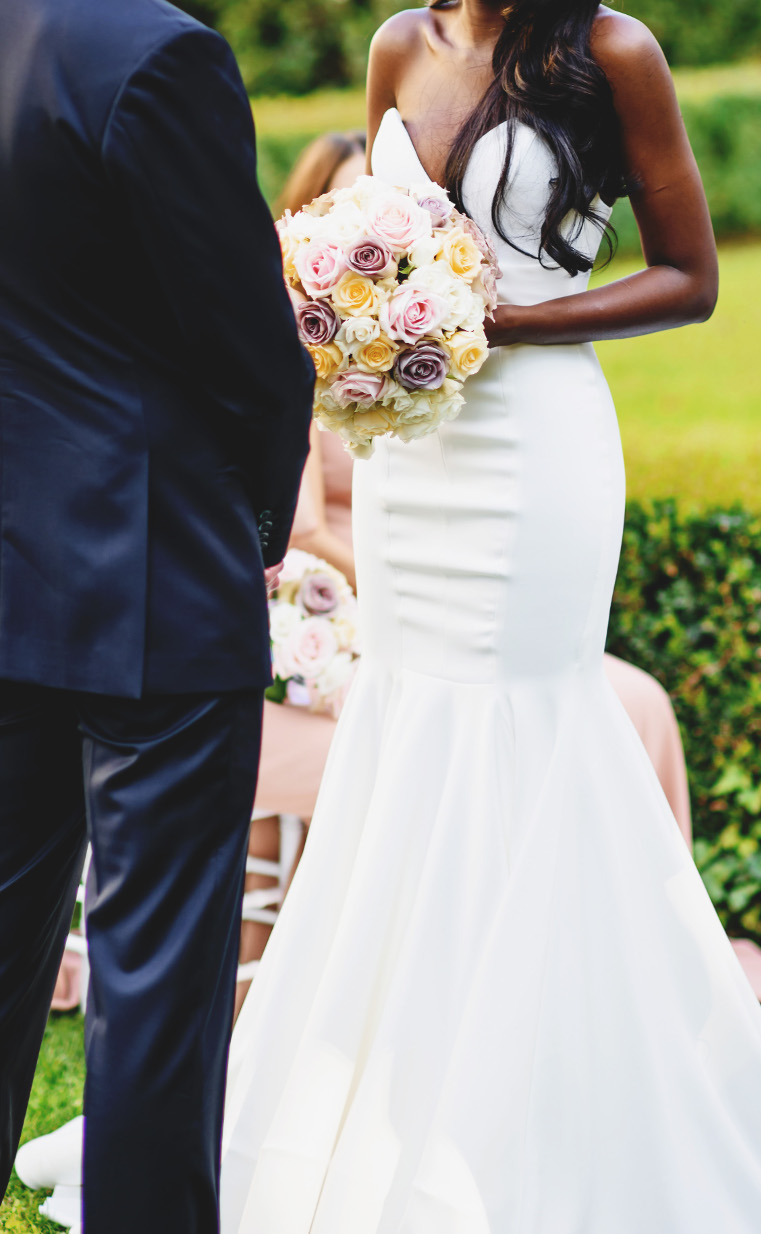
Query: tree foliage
{"x": 292, "y": 46}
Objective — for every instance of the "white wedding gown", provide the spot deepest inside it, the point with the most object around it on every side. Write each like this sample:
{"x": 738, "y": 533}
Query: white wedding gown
{"x": 498, "y": 999}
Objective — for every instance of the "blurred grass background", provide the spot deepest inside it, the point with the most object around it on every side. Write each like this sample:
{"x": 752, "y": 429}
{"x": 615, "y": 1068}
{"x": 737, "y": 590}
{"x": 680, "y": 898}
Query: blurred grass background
{"x": 56, "y": 1097}
{"x": 689, "y": 400}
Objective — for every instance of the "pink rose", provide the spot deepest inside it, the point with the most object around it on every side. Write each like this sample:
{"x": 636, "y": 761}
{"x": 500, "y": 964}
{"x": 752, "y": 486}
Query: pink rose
{"x": 308, "y": 651}
{"x": 412, "y": 312}
{"x": 319, "y": 266}
{"x": 399, "y": 221}
{"x": 318, "y": 594}
{"x": 354, "y": 386}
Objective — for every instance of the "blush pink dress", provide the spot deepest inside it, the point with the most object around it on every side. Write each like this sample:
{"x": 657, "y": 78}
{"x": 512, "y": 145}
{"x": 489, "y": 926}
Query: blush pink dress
{"x": 295, "y": 741}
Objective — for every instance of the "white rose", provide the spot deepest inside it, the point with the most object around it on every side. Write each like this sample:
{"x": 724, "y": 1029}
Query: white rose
{"x": 305, "y": 227}
{"x": 357, "y": 332}
{"x": 475, "y": 318}
{"x": 345, "y": 624}
{"x": 345, "y": 222}
{"x": 426, "y": 250}
{"x": 337, "y": 675}
{"x": 362, "y": 192}
{"x": 283, "y": 621}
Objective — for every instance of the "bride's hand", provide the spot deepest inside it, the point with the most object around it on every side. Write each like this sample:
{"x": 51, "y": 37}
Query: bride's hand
{"x": 505, "y": 328}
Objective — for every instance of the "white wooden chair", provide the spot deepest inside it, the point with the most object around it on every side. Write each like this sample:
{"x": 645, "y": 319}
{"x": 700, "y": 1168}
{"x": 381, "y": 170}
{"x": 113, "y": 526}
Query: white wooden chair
{"x": 260, "y": 905}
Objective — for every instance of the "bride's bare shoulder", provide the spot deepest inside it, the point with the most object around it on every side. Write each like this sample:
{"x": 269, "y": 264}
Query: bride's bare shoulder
{"x": 624, "y": 46}
{"x": 394, "y": 49}
{"x": 401, "y": 34}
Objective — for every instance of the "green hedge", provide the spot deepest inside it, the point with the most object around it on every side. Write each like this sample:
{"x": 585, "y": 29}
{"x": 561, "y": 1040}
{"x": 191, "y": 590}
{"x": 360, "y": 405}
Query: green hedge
{"x": 725, "y": 133}
{"x": 687, "y": 608}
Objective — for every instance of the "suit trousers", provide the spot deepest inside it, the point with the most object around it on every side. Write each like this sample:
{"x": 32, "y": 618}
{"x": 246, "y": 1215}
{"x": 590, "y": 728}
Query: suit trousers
{"x": 163, "y": 787}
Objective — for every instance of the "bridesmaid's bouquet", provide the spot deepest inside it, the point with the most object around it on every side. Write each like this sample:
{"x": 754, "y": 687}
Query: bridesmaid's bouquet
{"x": 313, "y": 632}
{"x": 397, "y": 284}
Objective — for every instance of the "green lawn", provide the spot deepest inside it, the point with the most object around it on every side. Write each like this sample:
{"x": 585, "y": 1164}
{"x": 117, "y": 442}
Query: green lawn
{"x": 56, "y": 1097}
{"x": 689, "y": 401}
{"x": 343, "y": 109}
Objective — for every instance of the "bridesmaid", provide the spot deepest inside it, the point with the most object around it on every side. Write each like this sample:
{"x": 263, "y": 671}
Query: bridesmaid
{"x": 295, "y": 742}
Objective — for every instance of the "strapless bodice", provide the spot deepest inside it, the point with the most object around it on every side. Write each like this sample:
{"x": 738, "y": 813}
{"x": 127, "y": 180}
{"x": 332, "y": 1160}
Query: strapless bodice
{"x": 524, "y": 279}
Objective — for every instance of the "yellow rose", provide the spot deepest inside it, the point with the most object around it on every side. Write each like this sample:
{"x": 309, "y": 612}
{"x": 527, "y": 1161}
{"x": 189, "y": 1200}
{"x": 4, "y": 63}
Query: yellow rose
{"x": 377, "y": 356}
{"x": 379, "y": 420}
{"x": 468, "y": 349}
{"x": 289, "y": 247}
{"x": 354, "y": 295}
{"x": 462, "y": 254}
{"x": 326, "y": 359}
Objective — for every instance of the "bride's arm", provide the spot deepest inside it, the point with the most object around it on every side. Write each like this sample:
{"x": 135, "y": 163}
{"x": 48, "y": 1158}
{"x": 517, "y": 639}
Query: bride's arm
{"x": 391, "y": 47}
{"x": 680, "y": 283}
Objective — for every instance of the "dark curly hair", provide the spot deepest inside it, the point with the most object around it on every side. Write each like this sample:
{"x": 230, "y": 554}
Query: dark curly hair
{"x": 546, "y": 77}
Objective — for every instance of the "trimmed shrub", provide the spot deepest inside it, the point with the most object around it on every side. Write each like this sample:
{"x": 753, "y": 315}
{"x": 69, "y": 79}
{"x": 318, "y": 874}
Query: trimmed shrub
{"x": 687, "y": 608}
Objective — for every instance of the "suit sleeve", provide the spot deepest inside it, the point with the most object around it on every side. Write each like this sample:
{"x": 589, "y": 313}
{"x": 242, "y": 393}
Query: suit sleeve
{"x": 179, "y": 148}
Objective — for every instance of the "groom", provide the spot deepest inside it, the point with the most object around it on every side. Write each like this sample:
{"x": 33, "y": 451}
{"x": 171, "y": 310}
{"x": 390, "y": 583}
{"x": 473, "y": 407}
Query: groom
{"x": 154, "y": 409}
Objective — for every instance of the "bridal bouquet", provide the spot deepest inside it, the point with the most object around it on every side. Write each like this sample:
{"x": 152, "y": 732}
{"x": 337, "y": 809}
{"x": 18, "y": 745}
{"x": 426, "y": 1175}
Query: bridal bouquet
{"x": 397, "y": 285}
{"x": 313, "y": 632}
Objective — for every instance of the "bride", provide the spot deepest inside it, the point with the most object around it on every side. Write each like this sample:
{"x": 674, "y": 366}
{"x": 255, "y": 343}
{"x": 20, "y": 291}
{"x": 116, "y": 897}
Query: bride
{"x": 498, "y": 1000}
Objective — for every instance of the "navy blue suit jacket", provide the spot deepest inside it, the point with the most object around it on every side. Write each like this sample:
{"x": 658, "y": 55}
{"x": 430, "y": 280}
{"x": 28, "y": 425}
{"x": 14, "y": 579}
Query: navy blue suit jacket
{"x": 154, "y": 397}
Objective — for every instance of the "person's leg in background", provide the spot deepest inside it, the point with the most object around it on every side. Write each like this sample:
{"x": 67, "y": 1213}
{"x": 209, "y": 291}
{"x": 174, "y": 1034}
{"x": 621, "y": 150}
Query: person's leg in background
{"x": 42, "y": 847}
{"x": 170, "y": 781}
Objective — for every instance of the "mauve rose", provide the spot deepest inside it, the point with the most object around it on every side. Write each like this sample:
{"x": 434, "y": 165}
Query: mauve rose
{"x": 438, "y": 208}
{"x": 487, "y": 282}
{"x": 354, "y": 386}
{"x": 320, "y": 266}
{"x": 422, "y": 368}
{"x": 318, "y": 322}
{"x": 412, "y": 312}
{"x": 370, "y": 256}
{"x": 318, "y": 594}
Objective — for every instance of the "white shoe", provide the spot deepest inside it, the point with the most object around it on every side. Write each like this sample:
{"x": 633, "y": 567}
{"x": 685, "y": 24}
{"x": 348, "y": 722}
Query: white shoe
{"x": 64, "y": 1206}
{"x": 53, "y": 1159}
